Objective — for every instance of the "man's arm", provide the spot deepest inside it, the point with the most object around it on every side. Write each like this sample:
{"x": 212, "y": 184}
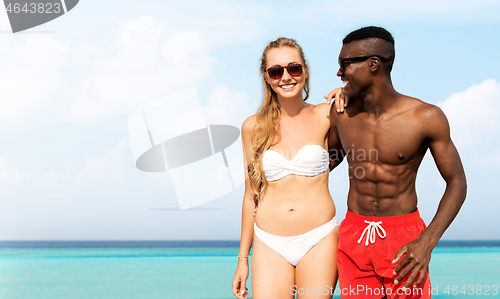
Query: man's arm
{"x": 334, "y": 145}
{"x": 418, "y": 252}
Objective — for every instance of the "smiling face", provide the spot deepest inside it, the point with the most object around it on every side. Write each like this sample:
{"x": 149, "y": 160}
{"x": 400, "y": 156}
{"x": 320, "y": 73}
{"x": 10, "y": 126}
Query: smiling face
{"x": 356, "y": 74}
{"x": 286, "y": 87}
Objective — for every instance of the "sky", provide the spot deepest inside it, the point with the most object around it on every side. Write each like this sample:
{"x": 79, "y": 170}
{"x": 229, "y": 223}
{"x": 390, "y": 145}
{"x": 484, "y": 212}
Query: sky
{"x": 68, "y": 88}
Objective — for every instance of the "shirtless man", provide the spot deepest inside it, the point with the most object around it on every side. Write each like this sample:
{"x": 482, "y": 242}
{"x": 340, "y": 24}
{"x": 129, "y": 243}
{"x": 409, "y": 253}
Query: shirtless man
{"x": 384, "y": 248}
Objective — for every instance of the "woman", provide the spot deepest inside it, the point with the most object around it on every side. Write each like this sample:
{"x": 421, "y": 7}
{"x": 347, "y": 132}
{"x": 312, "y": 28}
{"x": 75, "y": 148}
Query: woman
{"x": 295, "y": 232}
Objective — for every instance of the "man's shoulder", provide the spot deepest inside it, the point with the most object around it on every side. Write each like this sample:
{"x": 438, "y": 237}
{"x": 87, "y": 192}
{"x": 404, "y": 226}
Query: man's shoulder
{"x": 427, "y": 111}
{"x": 430, "y": 117}
{"x": 423, "y": 110}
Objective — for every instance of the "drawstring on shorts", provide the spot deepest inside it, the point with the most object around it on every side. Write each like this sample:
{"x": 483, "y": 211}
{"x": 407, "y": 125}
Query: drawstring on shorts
{"x": 371, "y": 229}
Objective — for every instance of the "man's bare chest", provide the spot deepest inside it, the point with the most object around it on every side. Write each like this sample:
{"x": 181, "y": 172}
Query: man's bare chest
{"x": 393, "y": 141}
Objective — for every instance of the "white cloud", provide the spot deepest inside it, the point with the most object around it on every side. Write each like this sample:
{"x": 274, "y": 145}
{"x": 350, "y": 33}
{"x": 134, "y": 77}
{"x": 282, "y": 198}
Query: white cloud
{"x": 226, "y": 107}
{"x": 187, "y": 53}
{"x": 109, "y": 167}
{"x": 11, "y": 176}
{"x": 53, "y": 179}
{"x": 473, "y": 114}
{"x": 42, "y": 77}
{"x": 146, "y": 66}
{"x": 30, "y": 74}
{"x": 110, "y": 170}
{"x": 491, "y": 159}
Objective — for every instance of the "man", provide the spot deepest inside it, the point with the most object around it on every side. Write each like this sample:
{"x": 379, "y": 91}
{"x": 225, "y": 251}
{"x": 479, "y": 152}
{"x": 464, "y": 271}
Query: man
{"x": 384, "y": 248}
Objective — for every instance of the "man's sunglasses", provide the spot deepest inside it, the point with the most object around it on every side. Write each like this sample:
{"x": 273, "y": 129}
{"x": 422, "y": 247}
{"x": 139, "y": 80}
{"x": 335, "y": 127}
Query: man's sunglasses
{"x": 276, "y": 71}
{"x": 344, "y": 62}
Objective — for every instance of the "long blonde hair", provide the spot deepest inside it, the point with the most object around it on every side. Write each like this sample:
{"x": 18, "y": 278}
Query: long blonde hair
{"x": 268, "y": 118}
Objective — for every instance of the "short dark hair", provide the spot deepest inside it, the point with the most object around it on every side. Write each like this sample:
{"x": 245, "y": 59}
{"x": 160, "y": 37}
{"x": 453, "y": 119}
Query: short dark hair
{"x": 369, "y": 32}
{"x": 378, "y": 41}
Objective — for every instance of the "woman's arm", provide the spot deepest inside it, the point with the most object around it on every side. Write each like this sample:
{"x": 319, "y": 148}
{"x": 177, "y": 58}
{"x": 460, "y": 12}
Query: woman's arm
{"x": 341, "y": 99}
{"x": 247, "y": 219}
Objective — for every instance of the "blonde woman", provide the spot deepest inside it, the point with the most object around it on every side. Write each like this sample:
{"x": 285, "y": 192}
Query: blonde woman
{"x": 295, "y": 232}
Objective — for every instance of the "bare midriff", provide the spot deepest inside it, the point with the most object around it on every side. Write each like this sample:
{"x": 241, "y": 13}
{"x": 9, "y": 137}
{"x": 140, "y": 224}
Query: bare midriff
{"x": 379, "y": 188}
{"x": 295, "y": 205}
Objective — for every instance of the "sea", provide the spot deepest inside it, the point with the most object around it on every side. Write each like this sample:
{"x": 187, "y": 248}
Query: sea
{"x": 194, "y": 269}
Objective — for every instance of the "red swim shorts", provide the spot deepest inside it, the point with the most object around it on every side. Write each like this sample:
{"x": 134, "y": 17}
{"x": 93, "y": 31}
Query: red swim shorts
{"x": 365, "y": 268}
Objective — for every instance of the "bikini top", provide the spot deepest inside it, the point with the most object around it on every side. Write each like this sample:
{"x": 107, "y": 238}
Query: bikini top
{"x": 310, "y": 160}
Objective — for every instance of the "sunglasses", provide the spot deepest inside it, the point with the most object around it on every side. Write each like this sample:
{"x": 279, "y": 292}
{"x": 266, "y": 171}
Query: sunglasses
{"x": 276, "y": 71}
{"x": 344, "y": 62}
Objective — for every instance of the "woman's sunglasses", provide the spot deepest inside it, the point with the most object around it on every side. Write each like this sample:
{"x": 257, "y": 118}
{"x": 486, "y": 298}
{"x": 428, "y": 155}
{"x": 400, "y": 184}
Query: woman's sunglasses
{"x": 276, "y": 71}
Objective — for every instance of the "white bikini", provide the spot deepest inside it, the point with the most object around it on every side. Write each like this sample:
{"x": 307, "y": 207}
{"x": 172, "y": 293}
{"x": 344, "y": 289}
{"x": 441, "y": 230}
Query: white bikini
{"x": 310, "y": 160}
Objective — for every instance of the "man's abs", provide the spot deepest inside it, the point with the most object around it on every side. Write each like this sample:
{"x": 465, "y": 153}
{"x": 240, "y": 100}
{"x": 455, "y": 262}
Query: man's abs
{"x": 381, "y": 190}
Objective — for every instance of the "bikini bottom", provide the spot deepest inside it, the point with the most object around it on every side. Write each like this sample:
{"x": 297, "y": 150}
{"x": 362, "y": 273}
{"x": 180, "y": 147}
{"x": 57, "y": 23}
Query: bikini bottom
{"x": 294, "y": 248}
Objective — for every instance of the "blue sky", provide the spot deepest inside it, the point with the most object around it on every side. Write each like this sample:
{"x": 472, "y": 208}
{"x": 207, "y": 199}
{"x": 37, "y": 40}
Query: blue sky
{"x": 70, "y": 85}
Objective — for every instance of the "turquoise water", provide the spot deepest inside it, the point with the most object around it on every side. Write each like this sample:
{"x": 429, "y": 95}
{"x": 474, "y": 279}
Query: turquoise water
{"x": 193, "y": 272}
{"x": 471, "y": 270}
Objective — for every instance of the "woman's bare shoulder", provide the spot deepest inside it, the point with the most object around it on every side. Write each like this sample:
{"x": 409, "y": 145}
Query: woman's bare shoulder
{"x": 322, "y": 109}
{"x": 249, "y": 123}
